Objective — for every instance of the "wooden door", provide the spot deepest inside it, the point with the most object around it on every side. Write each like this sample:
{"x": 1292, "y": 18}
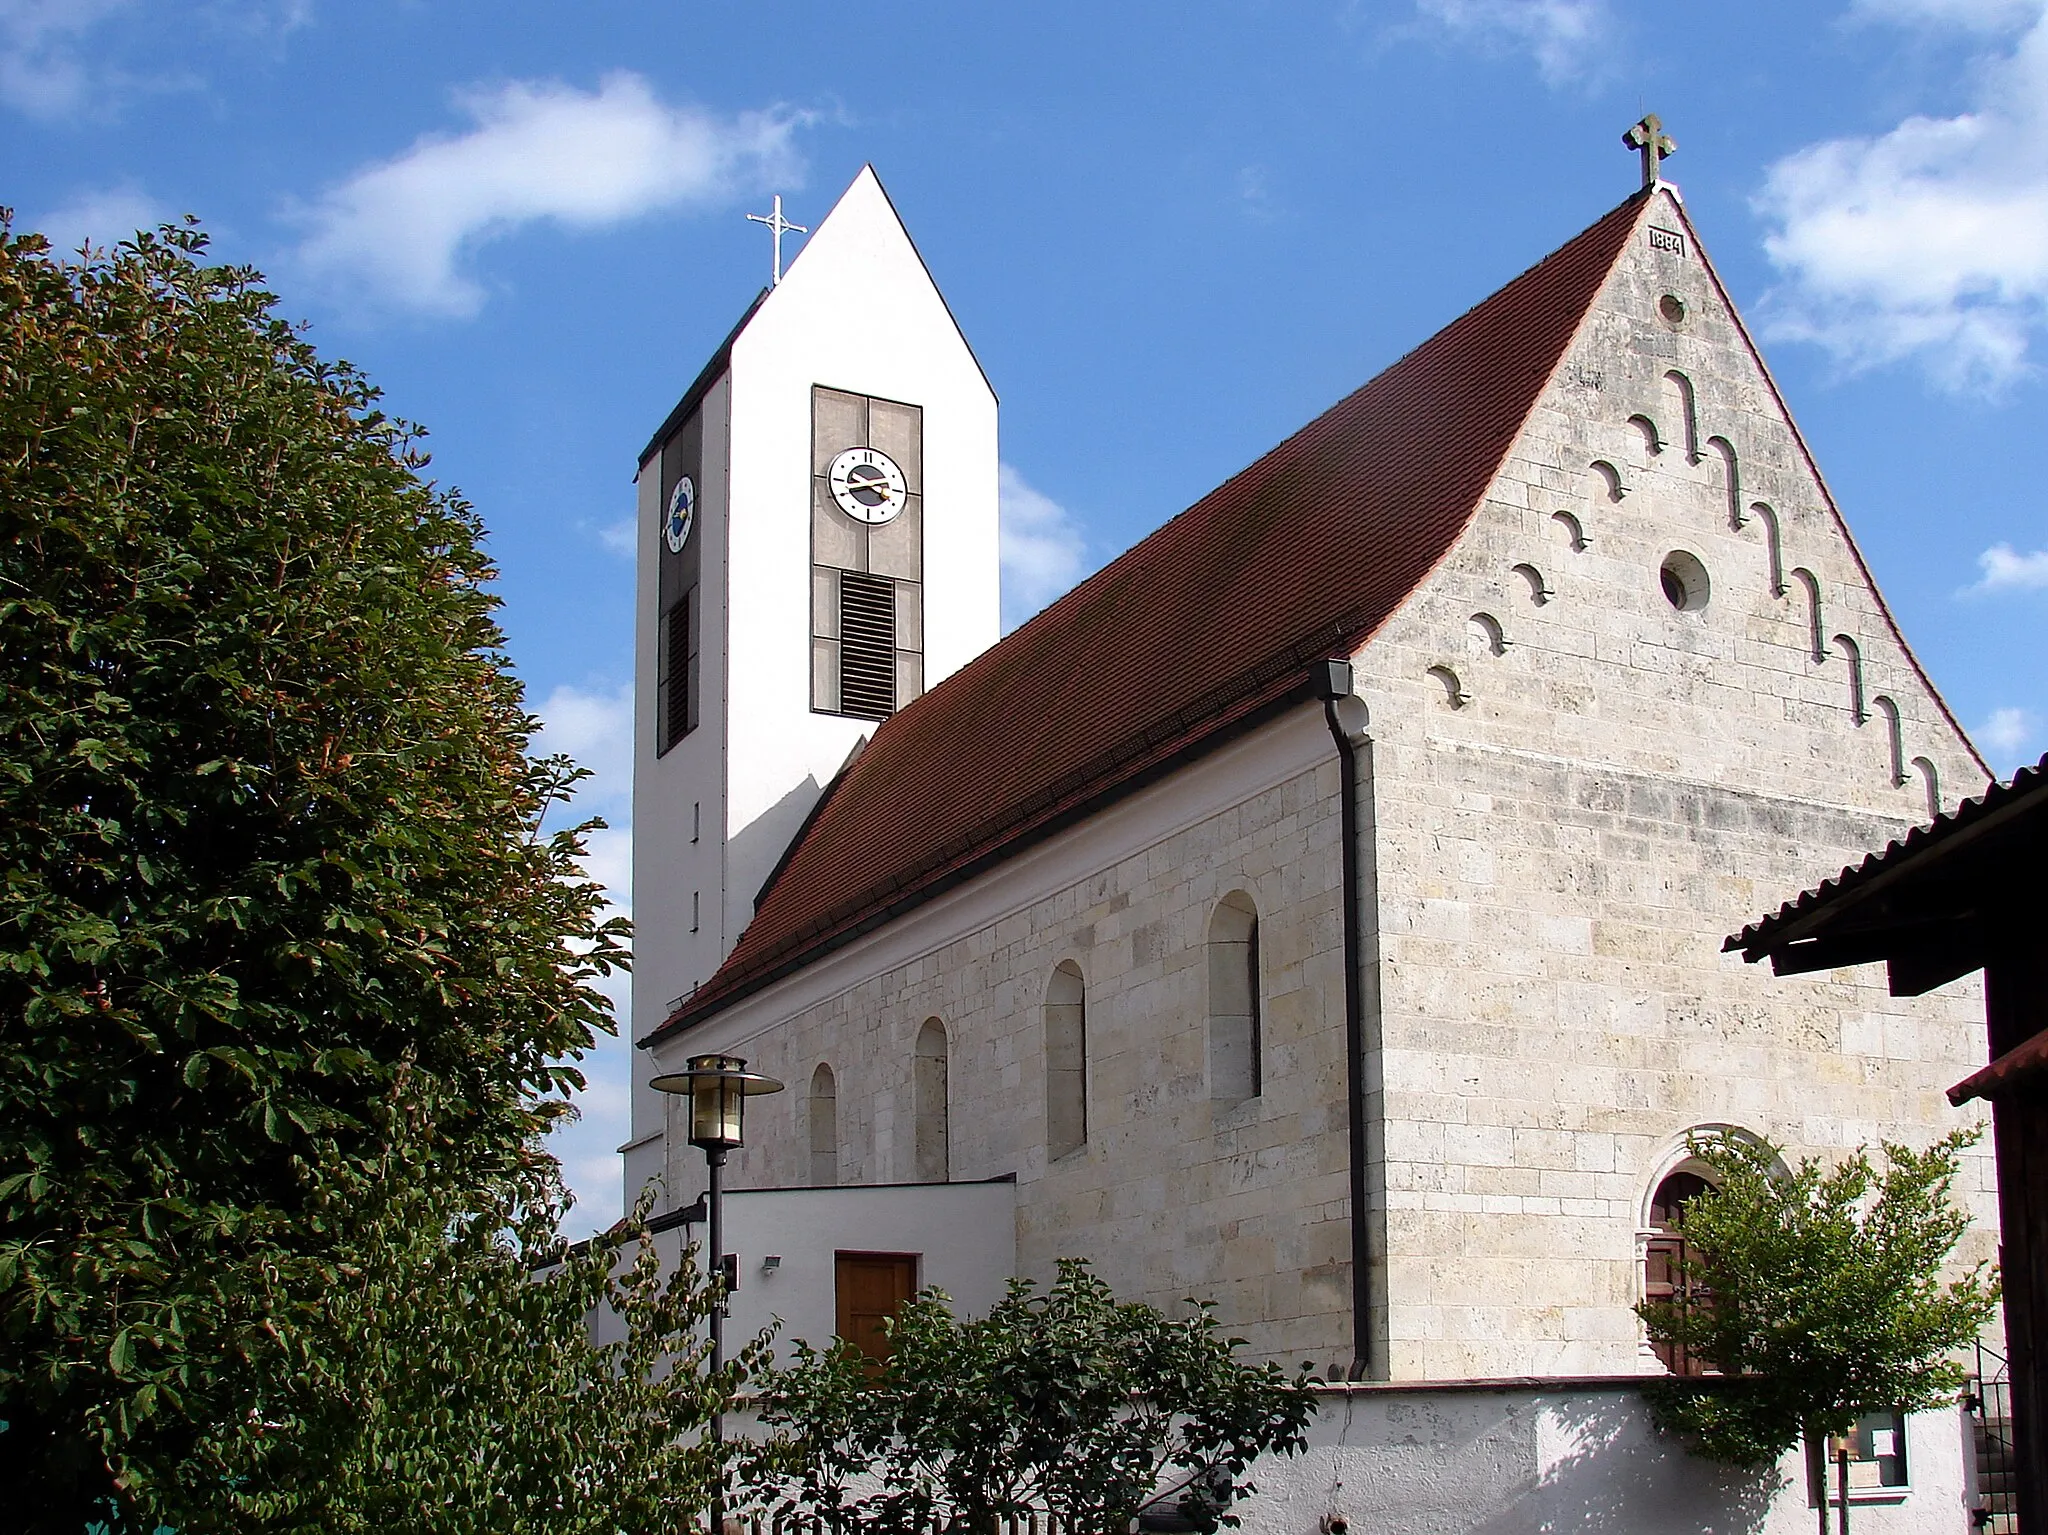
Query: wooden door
{"x": 870, "y": 1288}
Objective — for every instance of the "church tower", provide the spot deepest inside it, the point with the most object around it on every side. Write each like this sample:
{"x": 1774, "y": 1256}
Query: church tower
{"x": 817, "y": 547}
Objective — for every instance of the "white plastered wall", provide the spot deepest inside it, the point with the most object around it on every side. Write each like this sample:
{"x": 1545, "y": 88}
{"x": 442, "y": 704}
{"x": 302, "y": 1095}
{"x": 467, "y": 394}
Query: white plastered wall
{"x": 856, "y": 311}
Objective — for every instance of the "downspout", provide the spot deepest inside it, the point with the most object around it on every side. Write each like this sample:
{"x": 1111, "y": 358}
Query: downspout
{"x": 1333, "y": 683}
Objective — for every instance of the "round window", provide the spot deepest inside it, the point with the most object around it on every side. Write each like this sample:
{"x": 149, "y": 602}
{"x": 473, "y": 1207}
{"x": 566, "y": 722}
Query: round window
{"x": 1672, "y": 307}
{"x": 1684, "y": 580}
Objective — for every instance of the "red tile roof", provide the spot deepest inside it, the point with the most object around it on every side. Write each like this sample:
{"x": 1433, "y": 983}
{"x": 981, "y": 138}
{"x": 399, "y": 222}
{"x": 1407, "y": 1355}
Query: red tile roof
{"x": 1994, "y": 814}
{"x": 2024, "y": 1065}
{"x": 1207, "y": 625}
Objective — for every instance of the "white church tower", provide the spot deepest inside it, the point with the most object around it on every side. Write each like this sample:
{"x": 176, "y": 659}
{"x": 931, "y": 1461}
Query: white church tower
{"x": 817, "y": 547}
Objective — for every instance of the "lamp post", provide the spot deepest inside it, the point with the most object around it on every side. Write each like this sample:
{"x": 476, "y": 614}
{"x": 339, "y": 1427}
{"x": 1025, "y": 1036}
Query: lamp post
{"x": 718, "y": 1087}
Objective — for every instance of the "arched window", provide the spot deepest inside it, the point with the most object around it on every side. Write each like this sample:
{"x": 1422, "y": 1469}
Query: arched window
{"x": 1664, "y": 1260}
{"x": 824, "y": 1126}
{"x": 1235, "y": 1055}
{"x": 1816, "y": 632}
{"x": 1894, "y": 734}
{"x": 1539, "y": 589}
{"x": 1930, "y": 781}
{"x": 1066, "y": 1061}
{"x": 1484, "y": 635}
{"x": 928, "y": 1092}
{"x": 1609, "y": 478}
{"x": 1774, "y": 545}
{"x": 1853, "y": 654}
{"x": 1731, "y": 479}
{"x": 1680, "y": 392}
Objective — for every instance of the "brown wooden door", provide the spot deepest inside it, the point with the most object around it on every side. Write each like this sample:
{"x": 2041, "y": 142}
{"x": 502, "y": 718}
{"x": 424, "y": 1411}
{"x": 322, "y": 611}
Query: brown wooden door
{"x": 870, "y": 1288}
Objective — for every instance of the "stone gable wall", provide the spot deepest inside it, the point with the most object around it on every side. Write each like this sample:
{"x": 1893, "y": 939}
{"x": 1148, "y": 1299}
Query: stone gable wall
{"x": 1562, "y": 850}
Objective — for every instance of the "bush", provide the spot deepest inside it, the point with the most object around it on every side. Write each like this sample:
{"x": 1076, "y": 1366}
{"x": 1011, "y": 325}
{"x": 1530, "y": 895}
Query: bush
{"x": 1063, "y": 1402}
{"x": 1824, "y": 1296}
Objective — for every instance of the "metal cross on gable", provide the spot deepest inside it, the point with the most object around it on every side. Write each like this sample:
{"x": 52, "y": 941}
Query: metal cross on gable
{"x": 776, "y": 222}
{"x": 1656, "y": 146}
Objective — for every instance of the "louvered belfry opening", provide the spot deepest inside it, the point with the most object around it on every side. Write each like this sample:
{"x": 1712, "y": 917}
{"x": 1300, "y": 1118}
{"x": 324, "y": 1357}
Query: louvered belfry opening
{"x": 678, "y": 668}
{"x": 867, "y": 657}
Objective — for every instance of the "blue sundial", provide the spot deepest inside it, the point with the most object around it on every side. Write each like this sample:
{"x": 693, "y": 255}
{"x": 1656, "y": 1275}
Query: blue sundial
{"x": 682, "y": 511}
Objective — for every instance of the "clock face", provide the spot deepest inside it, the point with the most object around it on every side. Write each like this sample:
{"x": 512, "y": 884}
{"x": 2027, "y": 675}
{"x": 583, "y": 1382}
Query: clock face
{"x": 682, "y": 514}
{"x": 867, "y": 485}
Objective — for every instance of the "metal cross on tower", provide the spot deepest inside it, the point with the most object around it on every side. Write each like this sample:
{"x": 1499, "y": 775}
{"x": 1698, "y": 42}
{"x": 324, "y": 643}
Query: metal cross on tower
{"x": 776, "y": 222}
{"x": 1649, "y": 137}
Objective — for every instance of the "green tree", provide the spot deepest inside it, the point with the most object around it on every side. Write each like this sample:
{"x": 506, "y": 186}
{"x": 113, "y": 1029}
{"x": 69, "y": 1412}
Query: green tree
{"x": 1825, "y": 1295}
{"x": 1064, "y": 1402}
{"x": 448, "y": 1384}
{"x": 272, "y": 864}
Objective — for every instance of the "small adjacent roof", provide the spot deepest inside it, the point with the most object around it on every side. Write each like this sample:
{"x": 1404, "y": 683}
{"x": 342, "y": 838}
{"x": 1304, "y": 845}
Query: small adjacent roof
{"x": 1210, "y": 624}
{"x": 2025, "y": 1065}
{"x": 1932, "y": 904}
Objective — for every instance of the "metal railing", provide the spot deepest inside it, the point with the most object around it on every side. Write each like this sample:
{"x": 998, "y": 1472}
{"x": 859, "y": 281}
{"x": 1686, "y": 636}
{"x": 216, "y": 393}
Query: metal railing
{"x": 1990, "y": 1404}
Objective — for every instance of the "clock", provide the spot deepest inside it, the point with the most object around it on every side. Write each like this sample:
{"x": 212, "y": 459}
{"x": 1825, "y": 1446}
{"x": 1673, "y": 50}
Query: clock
{"x": 867, "y": 485}
{"x": 682, "y": 514}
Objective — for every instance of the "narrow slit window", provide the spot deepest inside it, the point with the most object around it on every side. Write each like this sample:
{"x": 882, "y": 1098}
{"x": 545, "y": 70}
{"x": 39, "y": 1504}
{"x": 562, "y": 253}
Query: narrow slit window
{"x": 1066, "y": 1062}
{"x": 824, "y": 1115}
{"x": 1236, "y": 1066}
{"x": 928, "y": 1092}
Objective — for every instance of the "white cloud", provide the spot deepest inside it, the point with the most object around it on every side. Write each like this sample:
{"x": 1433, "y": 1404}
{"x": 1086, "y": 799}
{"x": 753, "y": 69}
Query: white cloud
{"x": 595, "y": 727}
{"x": 2007, "y": 731}
{"x": 540, "y": 150}
{"x": 51, "y": 69}
{"x": 1043, "y": 549}
{"x": 1565, "y": 37}
{"x": 2007, "y": 570}
{"x": 102, "y": 217}
{"x": 1930, "y": 241}
{"x": 621, "y": 537}
{"x": 43, "y": 67}
{"x": 1976, "y": 15}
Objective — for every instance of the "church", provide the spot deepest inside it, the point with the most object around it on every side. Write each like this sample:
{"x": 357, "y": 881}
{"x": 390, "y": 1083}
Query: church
{"x": 1318, "y": 910}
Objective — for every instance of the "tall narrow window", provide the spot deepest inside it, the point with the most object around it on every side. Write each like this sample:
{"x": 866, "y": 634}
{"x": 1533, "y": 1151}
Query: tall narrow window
{"x": 1664, "y": 1260}
{"x": 1774, "y": 545}
{"x": 1235, "y": 1048}
{"x": 1816, "y": 631}
{"x": 1894, "y": 734}
{"x": 824, "y": 1126}
{"x": 677, "y": 685}
{"x": 928, "y": 1091}
{"x": 1853, "y": 654}
{"x": 1066, "y": 1061}
{"x": 1930, "y": 782}
{"x": 1731, "y": 479}
{"x": 1688, "y": 412}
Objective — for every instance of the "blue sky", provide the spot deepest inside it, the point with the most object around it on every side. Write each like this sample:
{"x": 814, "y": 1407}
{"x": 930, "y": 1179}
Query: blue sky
{"x": 1172, "y": 232}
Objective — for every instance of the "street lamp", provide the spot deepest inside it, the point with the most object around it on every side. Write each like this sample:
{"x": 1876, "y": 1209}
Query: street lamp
{"x": 718, "y": 1087}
